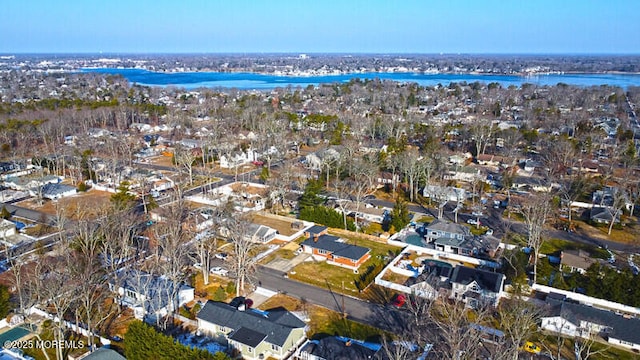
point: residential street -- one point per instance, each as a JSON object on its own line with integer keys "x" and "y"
{"x": 493, "y": 219}
{"x": 376, "y": 315}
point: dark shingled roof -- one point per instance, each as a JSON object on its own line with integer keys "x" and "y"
{"x": 316, "y": 229}
{"x": 104, "y": 354}
{"x": 337, "y": 349}
{"x": 55, "y": 189}
{"x": 334, "y": 245}
{"x": 248, "y": 337}
{"x": 276, "y": 325}
{"x": 485, "y": 279}
{"x": 623, "y": 328}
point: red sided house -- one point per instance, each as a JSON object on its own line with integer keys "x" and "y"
{"x": 335, "y": 250}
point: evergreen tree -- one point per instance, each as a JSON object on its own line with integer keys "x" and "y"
{"x": 5, "y": 301}
{"x": 325, "y": 216}
{"x": 400, "y": 216}
{"x": 142, "y": 342}
{"x": 4, "y": 213}
{"x": 122, "y": 199}
{"x": 310, "y": 197}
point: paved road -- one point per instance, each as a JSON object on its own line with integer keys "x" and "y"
{"x": 359, "y": 310}
{"x": 493, "y": 219}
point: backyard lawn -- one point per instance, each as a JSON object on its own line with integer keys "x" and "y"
{"x": 323, "y": 322}
{"x": 552, "y": 246}
{"x": 89, "y": 204}
{"x": 279, "y": 223}
{"x": 322, "y": 274}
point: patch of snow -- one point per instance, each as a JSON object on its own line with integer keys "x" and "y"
{"x": 200, "y": 342}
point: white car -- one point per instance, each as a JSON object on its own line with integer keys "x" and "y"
{"x": 221, "y": 256}
{"x": 472, "y": 221}
{"x": 219, "y": 271}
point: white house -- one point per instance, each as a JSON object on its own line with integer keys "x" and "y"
{"x": 572, "y": 319}
{"x": 150, "y": 296}
{"x": 315, "y": 161}
{"x": 474, "y": 286}
{"x": 28, "y": 184}
{"x": 447, "y": 193}
{"x": 57, "y": 191}
{"x": 260, "y": 233}
{"x": 7, "y": 228}
{"x": 231, "y": 160}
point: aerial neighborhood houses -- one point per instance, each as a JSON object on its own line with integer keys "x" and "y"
{"x": 573, "y": 319}
{"x": 254, "y": 333}
{"x": 151, "y": 297}
{"x": 254, "y": 154}
{"x": 334, "y": 249}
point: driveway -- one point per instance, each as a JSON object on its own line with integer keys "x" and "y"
{"x": 285, "y": 265}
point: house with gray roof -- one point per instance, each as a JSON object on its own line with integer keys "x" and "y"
{"x": 578, "y": 320}
{"x": 338, "y": 348}
{"x": 260, "y": 233}
{"x": 55, "y": 191}
{"x": 444, "y": 193}
{"x": 476, "y": 286}
{"x": 336, "y": 251}
{"x": 254, "y": 333}
{"x": 104, "y": 354}
{"x": 576, "y": 261}
{"x": 476, "y": 246}
{"x": 30, "y": 184}
{"x": 150, "y": 296}
{"x": 315, "y": 230}
{"x": 445, "y": 229}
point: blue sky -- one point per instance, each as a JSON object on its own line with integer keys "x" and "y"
{"x": 302, "y": 26}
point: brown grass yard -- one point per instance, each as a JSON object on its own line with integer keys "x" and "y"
{"x": 394, "y": 277}
{"x": 328, "y": 276}
{"x": 322, "y": 274}
{"x": 378, "y": 246}
{"x": 89, "y": 204}
{"x": 280, "y": 223}
{"x": 323, "y": 322}
{"x": 630, "y": 234}
{"x": 214, "y": 283}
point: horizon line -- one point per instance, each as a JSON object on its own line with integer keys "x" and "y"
{"x": 593, "y": 54}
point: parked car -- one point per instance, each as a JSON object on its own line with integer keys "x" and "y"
{"x": 399, "y": 300}
{"x": 221, "y": 256}
{"x": 531, "y": 347}
{"x": 219, "y": 271}
{"x": 472, "y": 222}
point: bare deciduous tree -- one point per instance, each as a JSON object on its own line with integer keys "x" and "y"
{"x": 362, "y": 183}
{"x": 536, "y": 210}
{"x": 185, "y": 159}
{"x": 242, "y": 259}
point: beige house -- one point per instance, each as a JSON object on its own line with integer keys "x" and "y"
{"x": 576, "y": 261}
{"x": 254, "y": 333}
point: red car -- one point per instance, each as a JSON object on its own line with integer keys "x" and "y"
{"x": 399, "y": 300}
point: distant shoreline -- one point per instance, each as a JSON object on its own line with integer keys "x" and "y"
{"x": 312, "y": 73}
{"x": 267, "y": 81}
